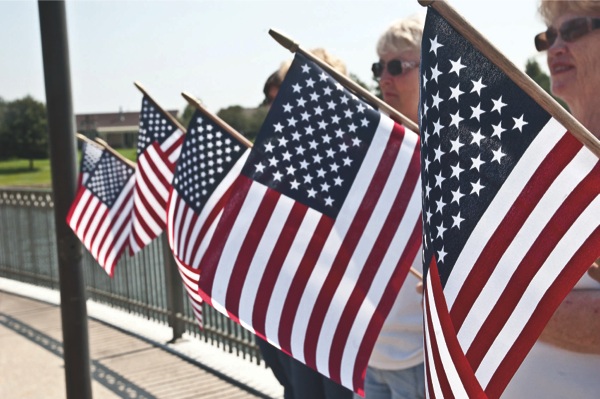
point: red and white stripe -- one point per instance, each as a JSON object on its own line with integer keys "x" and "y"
{"x": 190, "y": 278}
{"x": 103, "y": 231}
{"x": 153, "y": 178}
{"x": 448, "y": 373}
{"x": 189, "y": 232}
{"x": 536, "y": 239}
{"x": 319, "y": 288}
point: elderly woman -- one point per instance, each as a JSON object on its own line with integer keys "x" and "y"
{"x": 399, "y": 51}
{"x": 396, "y": 363}
{"x": 566, "y": 360}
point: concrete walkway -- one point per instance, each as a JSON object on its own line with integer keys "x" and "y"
{"x": 125, "y": 363}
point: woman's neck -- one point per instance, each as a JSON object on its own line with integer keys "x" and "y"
{"x": 589, "y": 116}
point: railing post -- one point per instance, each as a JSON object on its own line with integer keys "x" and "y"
{"x": 174, "y": 290}
{"x": 63, "y": 161}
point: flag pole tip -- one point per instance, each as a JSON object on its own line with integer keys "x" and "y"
{"x": 426, "y": 3}
{"x": 190, "y": 99}
{"x": 186, "y": 95}
{"x": 284, "y": 40}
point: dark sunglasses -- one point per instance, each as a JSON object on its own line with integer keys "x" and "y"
{"x": 569, "y": 31}
{"x": 394, "y": 67}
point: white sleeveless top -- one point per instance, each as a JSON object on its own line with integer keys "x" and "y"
{"x": 400, "y": 342}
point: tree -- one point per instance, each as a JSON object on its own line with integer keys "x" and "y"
{"x": 187, "y": 114}
{"x": 25, "y": 129}
{"x": 5, "y": 145}
{"x": 247, "y": 121}
{"x": 372, "y": 88}
{"x": 534, "y": 71}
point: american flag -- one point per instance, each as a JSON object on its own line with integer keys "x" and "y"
{"x": 159, "y": 145}
{"x": 312, "y": 248}
{"x": 101, "y": 212}
{"x": 511, "y": 213}
{"x": 90, "y": 155}
{"x": 190, "y": 277}
{"x": 210, "y": 159}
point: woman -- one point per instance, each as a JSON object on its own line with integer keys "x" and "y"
{"x": 399, "y": 51}
{"x": 395, "y": 368}
{"x": 566, "y": 360}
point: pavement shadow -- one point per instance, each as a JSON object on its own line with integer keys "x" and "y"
{"x": 111, "y": 380}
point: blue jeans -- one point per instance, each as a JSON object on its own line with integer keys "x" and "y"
{"x": 395, "y": 384}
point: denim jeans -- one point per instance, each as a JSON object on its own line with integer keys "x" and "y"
{"x": 395, "y": 384}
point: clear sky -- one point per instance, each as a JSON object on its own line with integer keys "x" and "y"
{"x": 219, "y": 51}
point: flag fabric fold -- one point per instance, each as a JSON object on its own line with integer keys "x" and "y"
{"x": 159, "y": 145}
{"x": 322, "y": 226}
{"x": 511, "y": 215}
{"x": 100, "y": 215}
{"x": 210, "y": 159}
{"x": 90, "y": 155}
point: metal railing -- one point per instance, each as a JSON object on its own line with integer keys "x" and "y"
{"x": 139, "y": 285}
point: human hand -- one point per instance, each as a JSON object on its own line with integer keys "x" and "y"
{"x": 594, "y": 270}
{"x": 419, "y": 287}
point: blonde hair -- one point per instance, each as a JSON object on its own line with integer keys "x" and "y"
{"x": 402, "y": 35}
{"x": 552, "y": 9}
{"x": 324, "y": 55}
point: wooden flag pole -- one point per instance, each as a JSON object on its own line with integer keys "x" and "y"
{"x": 222, "y": 124}
{"x": 520, "y": 78}
{"x": 415, "y": 273}
{"x": 83, "y": 138}
{"x": 349, "y": 83}
{"x": 115, "y": 153}
{"x": 168, "y": 115}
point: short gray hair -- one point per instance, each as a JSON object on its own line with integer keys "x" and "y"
{"x": 402, "y": 35}
{"x": 552, "y": 9}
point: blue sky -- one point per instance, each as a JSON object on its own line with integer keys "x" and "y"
{"x": 219, "y": 51}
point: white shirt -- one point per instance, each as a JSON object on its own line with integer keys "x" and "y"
{"x": 400, "y": 342}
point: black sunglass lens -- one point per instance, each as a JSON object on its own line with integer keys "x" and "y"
{"x": 394, "y": 67}
{"x": 574, "y": 29}
{"x": 541, "y": 43}
{"x": 551, "y": 35}
{"x": 377, "y": 68}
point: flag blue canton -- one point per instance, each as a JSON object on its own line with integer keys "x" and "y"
{"x": 313, "y": 140}
{"x": 109, "y": 177}
{"x": 207, "y": 155}
{"x": 475, "y": 125}
{"x": 154, "y": 126}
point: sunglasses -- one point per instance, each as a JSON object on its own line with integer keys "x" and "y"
{"x": 569, "y": 31}
{"x": 394, "y": 67}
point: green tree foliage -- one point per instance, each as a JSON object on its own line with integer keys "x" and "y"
{"x": 246, "y": 121}
{"x": 534, "y": 71}
{"x": 24, "y": 130}
{"x": 186, "y": 116}
{"x": 5, "y": 149}
{"x": 373, "y": 87}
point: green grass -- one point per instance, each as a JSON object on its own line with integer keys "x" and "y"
{"x": 16, "y": 173}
